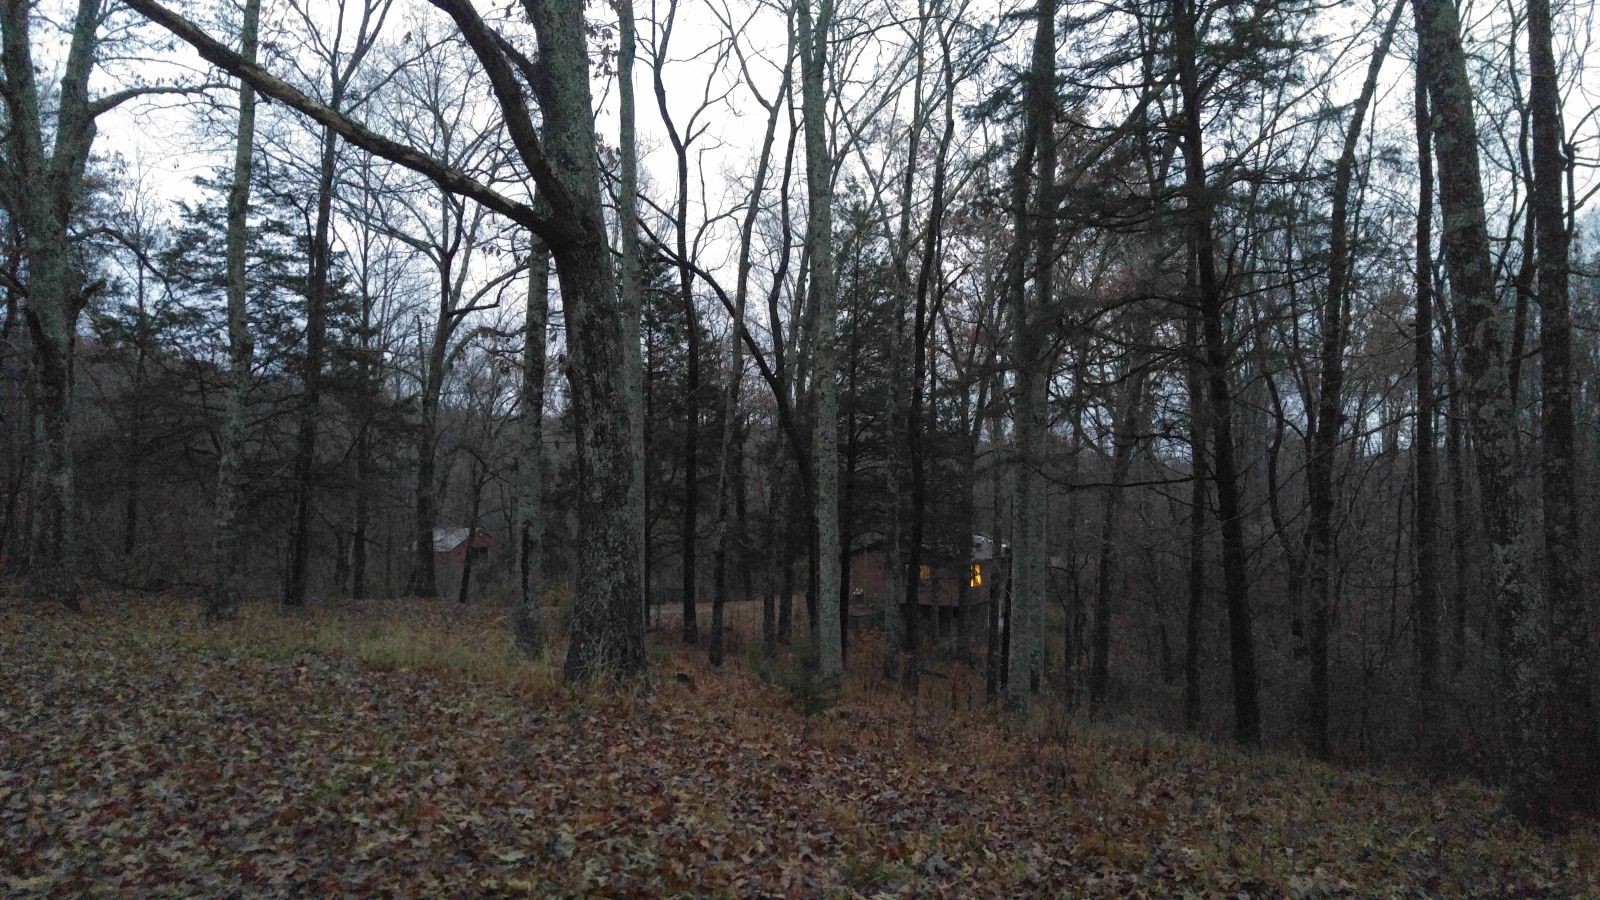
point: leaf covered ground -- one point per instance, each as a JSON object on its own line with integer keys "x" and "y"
{"x": 397, "y": 749}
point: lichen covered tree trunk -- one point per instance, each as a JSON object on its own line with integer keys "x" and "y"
{"x": 56, "y": 287}
{"x": 227, "y": 550}
{"x": 815, "y": 25}
{"x": 607, "y": 619}
{"x": 1032, "y": 333}
{"x": 1525, "y": 682}
{"x": 607, "y": 624}
{"x": 629, "y": 289}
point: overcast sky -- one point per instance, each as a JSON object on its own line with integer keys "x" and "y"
{"x": 163, "y": 141}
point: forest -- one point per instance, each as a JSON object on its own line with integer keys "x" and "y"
{"x": 799, "y": 447}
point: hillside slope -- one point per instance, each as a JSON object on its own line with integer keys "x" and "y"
{"x": 398, "y": 749}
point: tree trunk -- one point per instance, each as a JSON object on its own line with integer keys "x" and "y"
{"x": 1212, "y": 302}
{"x": 311, "y": 403}
{"x": 370, "y": 396}
{"x": 56, "y": 290}
{"x": 691, "y": 318}
{"x": 1194, "y": 618}
{"x": 1033, "y": 330}
{"x": 814, "y": 33}
{"x": 917, "y": 417}
{"x": 227, "y": 549}
{"x": 359, "y": 538}
{"x": 847, "y": 492}
{"x": 741, "y": 544}
{"x": 1462, "y": 532}
{"x": 629, "y": 287}
{"x": 1124, "y": 441}
{"x": 1577, "y": 730}
{"x": 135, "y": 416}
{"x": 1426, "y": 509}
{"x": 1525, "y": 682}
{"x": 437, "y": 359}
{"x": 899, "y": 611}
{"x": 607, "y": 621}
{"x": 902, "y": 559}
{"x": 51, "y": 558}
{"x": 790, "y": 551}
{"x": 1330, "y": 404}
{"x": 1075, "y": 631}
{"x": 424, "y": 577}
{"x": 998, "y": 582}
{"x": 528, "y": 621}
{"x": 478, "y": 478}
{"x": 730, "y": 440}
{"x": 775, "y": 558}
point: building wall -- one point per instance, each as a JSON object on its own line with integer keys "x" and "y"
{"x": 945, "y": 586}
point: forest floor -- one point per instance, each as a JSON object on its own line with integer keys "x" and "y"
{"x": 399, "y": 749}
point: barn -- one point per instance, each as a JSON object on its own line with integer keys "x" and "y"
{"x": 452, "y": 547}
{"x": 453, "y": 544}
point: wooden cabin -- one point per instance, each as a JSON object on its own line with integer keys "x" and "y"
{"x": 953, "y": 596}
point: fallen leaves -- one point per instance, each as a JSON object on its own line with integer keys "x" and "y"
{"x": 141, "y": 752}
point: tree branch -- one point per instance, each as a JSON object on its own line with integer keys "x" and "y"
{"x": 112, "y": 101}
{"x": 269, "y": 85}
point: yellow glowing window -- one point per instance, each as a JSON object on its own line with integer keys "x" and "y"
{"x": 977, "y": 576}
{"x": 926, "y": 572}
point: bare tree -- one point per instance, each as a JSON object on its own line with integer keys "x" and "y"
{"x": 683, "y": 139}
{"x": 1130, "y": 406}
{"x": 731, "y": 432}
{"x": 815, "y": 26}
{"x": 1330, "y": 400}
{"x": 49, "y": 155}
{"x": 1577, "y": 725}
{"x": 429, "y": 100}
{"x": 1518, "y": 600}
{"x": 1427, "y": 503}
{"x": 342, "y": 64}
{"x": 607, "y": 637}
{"x": 529, "y": 617}
{"x": 223, "y": 603}
{"x": 629, "y": 290}
{"x": 1032, "y": 324}
{"x": 1211, "y": 299}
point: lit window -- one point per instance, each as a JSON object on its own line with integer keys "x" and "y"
{"x": 926, "y": 572}
{"x": 977, "y": 576}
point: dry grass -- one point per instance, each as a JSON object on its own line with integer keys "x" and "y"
{"x": 471, "y": 643}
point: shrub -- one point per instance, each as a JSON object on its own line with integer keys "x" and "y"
{"x": 558, "y": 594}
{"x": 498, "y": 590}
{"x": 796, "y": 673}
